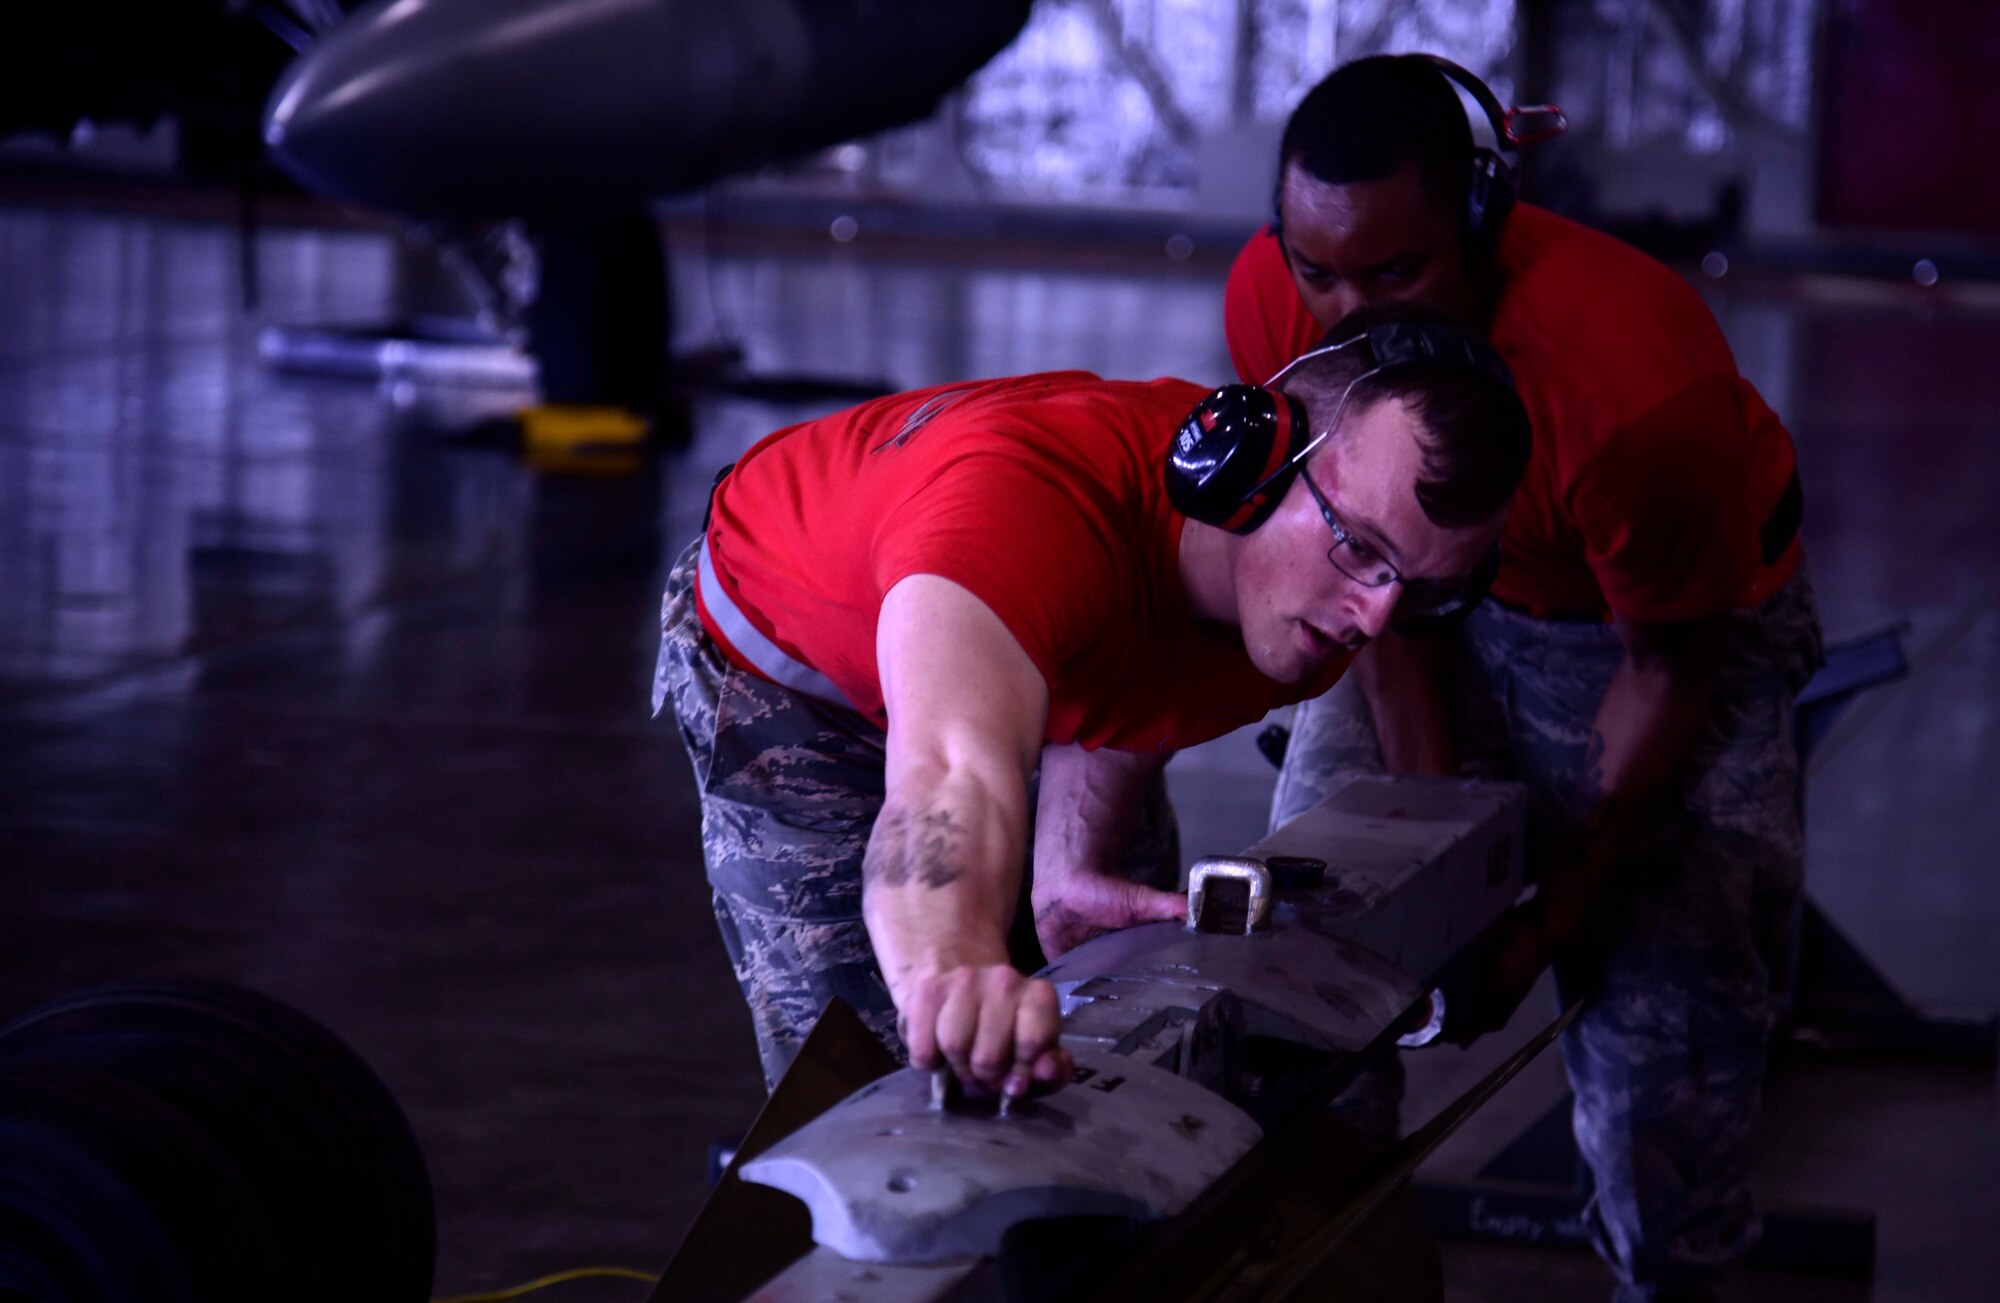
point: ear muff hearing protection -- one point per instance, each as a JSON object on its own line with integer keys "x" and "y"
{"x": 1235, "y": 455}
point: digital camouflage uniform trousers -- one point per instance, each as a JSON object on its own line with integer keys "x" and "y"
{"x": 790, "y": 787}
{"x": 1666, "y": 1058}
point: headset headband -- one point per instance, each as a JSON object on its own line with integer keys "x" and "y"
{"x": 1491, "y": 129}
{"x": 1391, "y": 344}
{"x": 1495, "y": 126}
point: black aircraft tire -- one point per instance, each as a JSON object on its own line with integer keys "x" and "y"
{"x": 272, "y": 1107}
{"x": 109, "y": 1196}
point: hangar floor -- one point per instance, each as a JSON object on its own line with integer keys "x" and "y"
{"x": 297, "y": 693}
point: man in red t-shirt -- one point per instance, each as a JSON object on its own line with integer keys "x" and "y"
{"x": 899, "y": 613}
{"x": 1651, "y": 626}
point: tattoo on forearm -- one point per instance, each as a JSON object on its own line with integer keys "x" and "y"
{"x": 924, "y": 845}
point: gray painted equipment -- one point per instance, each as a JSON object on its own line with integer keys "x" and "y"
{"x": 1201, "y": 1050}
{"x": 890, "y": 1179}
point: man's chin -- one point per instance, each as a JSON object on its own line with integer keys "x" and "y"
{"x": 1318, "y": 667}
{"x": 1305, "y": 655}
{"x": 1291, "y": 669}
{"x": 1277, "y": 669}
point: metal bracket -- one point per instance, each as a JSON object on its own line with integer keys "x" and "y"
{"x": 948, "y": 1095}
{"x": 1237, "y": 869}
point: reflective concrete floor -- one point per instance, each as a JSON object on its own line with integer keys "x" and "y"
{"x": 295, "y": 691}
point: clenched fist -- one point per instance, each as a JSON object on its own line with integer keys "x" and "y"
{"x": 996, "y": 1028}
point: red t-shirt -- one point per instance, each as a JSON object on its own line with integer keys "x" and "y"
{"x": 1655, "y": 464}
{"x": 1043, "y": 496}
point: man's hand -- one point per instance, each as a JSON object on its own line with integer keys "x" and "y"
{"x": 995, "y": 1028}
{"x": 1073, "y": 905}
{"x": 1492, "y": 979}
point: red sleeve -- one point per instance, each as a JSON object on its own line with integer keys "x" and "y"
{"x": 1019, "y": 542}
{"x": 1668, "y": 510}
{"x": 1266, "y": 321}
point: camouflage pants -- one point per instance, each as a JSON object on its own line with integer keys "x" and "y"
{"x": 1666, "y": 1059}
{"x": 790, "y": 787}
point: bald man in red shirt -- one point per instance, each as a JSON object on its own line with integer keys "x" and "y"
{"x": 1651, "y": 624}
{"x": 900, "y": 616}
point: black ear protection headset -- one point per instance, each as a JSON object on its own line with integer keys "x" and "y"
{"x": 1497, "y": 135}
{"x": 1496, "y": 159}
{"x": 1236, "y": 454}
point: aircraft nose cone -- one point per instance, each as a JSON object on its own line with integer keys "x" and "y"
{"x": 498, "y": 107}
{"x": 492, "y": 108}
{"x": 332, "y": 118}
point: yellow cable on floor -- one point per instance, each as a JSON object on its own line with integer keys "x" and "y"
{"x": 543, "y": 1282}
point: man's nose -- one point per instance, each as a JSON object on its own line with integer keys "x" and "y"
{"x": 1346, "y": 299}
{"x": 1375, "y": 608}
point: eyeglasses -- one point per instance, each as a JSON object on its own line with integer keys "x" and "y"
{"x": 1424, "y": 601}
{"x": 1362, "y": 562}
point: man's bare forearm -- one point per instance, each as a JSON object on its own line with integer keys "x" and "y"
{"x": 1089, "y": 804}
{"x": 1401, "y": 680}
{"x": 942, "y": 871}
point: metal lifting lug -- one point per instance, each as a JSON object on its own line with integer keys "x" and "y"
{"x": 947, "y": 1095}
{"x": 1237, "y": 869}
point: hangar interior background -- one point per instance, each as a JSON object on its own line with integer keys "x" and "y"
{"x": 320, "y": 683}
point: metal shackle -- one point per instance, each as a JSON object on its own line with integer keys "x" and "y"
{"x": 1237, "y": 869}
{"x": 946, "y": 1092}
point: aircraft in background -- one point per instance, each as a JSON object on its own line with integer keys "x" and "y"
{"x": 507, "y": 108}
{"x": 575, "y": 114}
{"x": 476, "y": 122}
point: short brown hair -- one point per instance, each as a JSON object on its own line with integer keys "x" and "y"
{"x": 1476, "y": 436}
